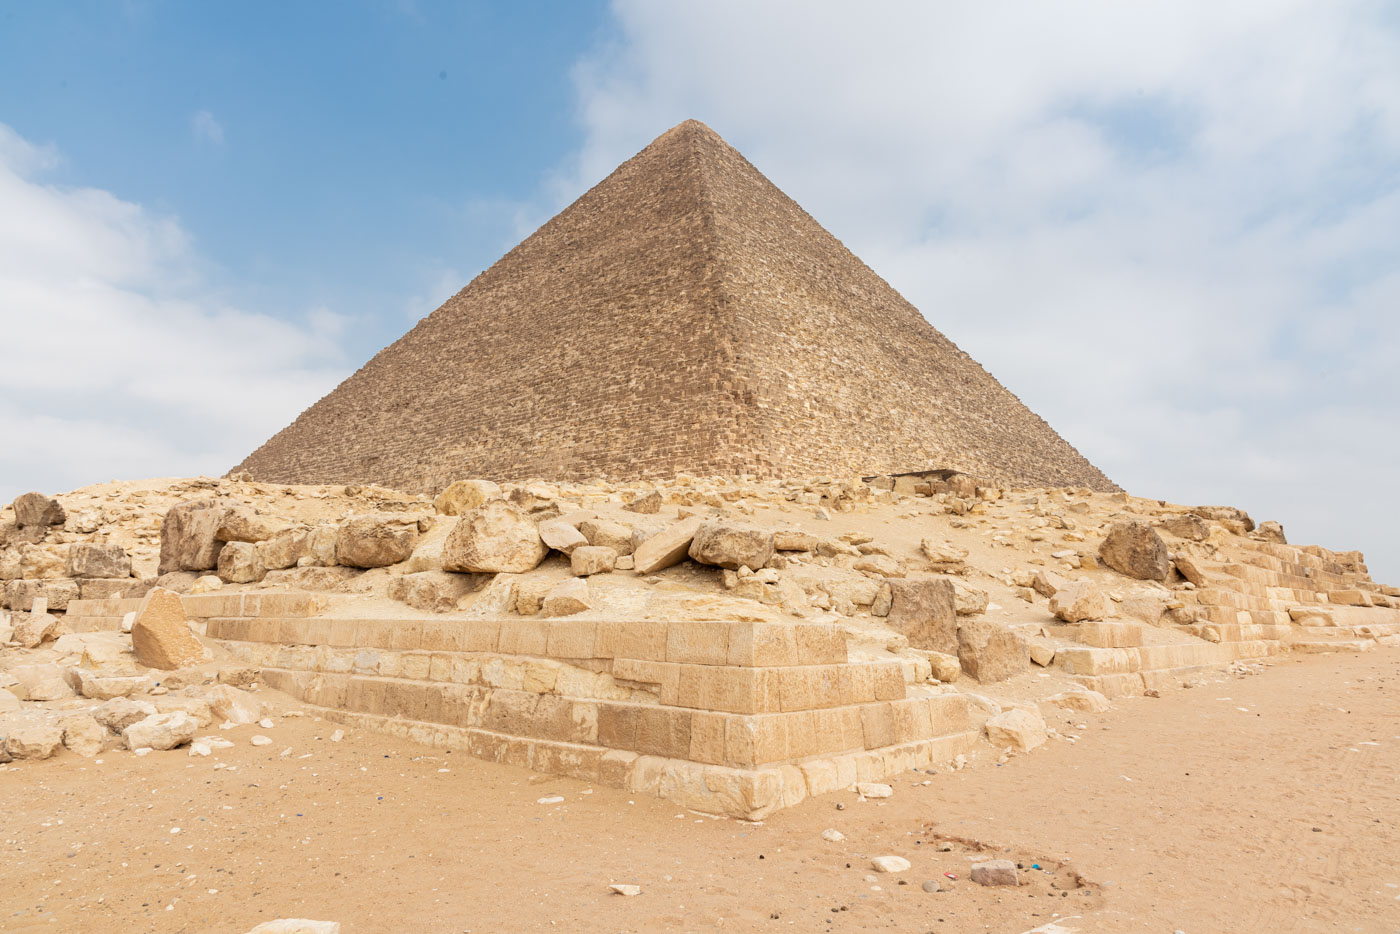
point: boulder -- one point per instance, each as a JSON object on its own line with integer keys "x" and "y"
{"x": 1018, "y": 728}
{"x": 119, "y": 713}
{"x": 230, "y": 705}
{"x": 38, "y": 625}
{"x": 607, "y": 534}
{"x": 376, "y": 541}
{"x": 995, "y": 872}
{"x": 1193, "y": 528}
{"x": 1187, "y": 567}
{"x": 35, "y": 510}
{"x": 945, "y": 667}
{"x": 667, "y": 547}
{"x": 495, "y": 537}
{"x": 794, "y": 540}
{"x": 297, "y": 926}
{"x": 83, "y": 735}
{"x": 245, "y": 524}
{"x": 1271, "y": 531}
{"x": 566, "y": 598}
{"x": 161, "y": 634}
{"x": 105, "y": 687}
{"x": 968, "y": 601}
{"x": 990, "y": 653}
{"x": 33, "y": 740}
{"x": 282, "y": 550}
{"x": 879, "y": 565}
{"x": 1080, "y": 601}
{"x": 1048, "y": 583}
{"x": 1135, "y": 549}
{"x": 434, "y": 591}
{"x": 189, "y": 536}
{"x": 1084, "y": 701}
{"x": 592, "y": 559}
{"x": 239, "y": 564}
{"x": 85, "y": 521}
{"x": 925, "y": 611}
{"x": 463, "y": 496}
{"x": 943, "y": 556}
{"x": 1236, "y": 520}
{"x": 561, "y": 536}
{"x": 648, "y": 504}
{"x": 86, "y": 559}
{"x": 725, "y": 545}
{"x": 161, "y": 731}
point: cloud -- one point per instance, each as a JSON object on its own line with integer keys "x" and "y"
{"x": 120, "y": 359}
{"x": 1167, "y": 226}
{"x": 206, "y": 128}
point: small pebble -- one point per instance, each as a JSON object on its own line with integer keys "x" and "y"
{"x": 931, "y": 886}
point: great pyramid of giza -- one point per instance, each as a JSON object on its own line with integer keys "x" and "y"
{"x": 684, "y": 315}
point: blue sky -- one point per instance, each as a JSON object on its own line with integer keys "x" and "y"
{"x": 1168, "y": 226}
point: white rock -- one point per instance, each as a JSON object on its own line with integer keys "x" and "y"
{"x": 623, "y": 889}
{"x": 833, "y": 836}
{"x": 297, "y": 926}
{"x": 260, "y": 740}
{"x": 873, "y": 790}
{"x": 890, "y": 864}
{"x": 161, "y": 731}
{"x": 266, "y": 723}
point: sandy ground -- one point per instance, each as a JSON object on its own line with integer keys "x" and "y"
{"x": 1264, "y": 802}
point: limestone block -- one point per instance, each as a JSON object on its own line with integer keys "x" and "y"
{"x": 83, "y": 735}
{"x": 1187, "y": 568}
{"x": 494, "y": 537}
{"x": 968, "y": 600}
{"x": 1047, "y": 583}
{"x": 105, "y": 687}
{"x": 645, "y": 503}
{"x": 925, "y": 611}
{"x": 161, "y": 634}
{"x": 92, "y": 560}
{"x": 463, "y": 496}
{"x": 239, "y": 564}
{"x": 119, "y": 713}
{"x": 666, "y": 548}
{"x": 435, "y": 591}
{"x": 44, "y": 562}
{"x": 1080, "y": 601}
{"x": 1018, "y": 728}
{"x": 561, "y": 536}
{"x": 1083, "y": 700}
{"x": 730, "y": 546}
{"x": 161, "y": 731}
{"x": 11, "y": 564}
{"x": 188, "y": 536}
{"x": 229, "y": 704}
{"x": 990, "y": 653}
{"x": 592, "y": 559}
{"x": 607, "y": 534}
{"x": 283, "y": 550}
{"x": 31, "y": 630}
{"x": 33, "y": 741}
{"x": 376, "y": 541}
{"x": 1193, "y": 528}
{"x": 794, "y": 540}
{"x": 35, "y": 510}
{"x": 566, "y": 598}
{"x": 1135, "y": 549}
{"x": 994, "y": 872}
{"x": 244, "y": 524}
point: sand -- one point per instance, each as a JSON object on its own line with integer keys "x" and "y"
{"x": 1262, "y": 802}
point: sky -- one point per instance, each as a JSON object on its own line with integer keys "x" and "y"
{"x": 1171, "y": 228}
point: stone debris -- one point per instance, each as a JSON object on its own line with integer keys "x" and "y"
{"x": 833, "y": 836}
{"x": 1080, "y": 601}
{"x": 874, "y": 790}
{"x": 566, "y": 598}
{"x": 622, "y": 888}
{"x": 376, "y": 541}
{"x": 463, "y": 496}
{"x": 666, "y": 548}
{"x": 994, "y": 872}
{"x": 1083, "y": 700}
{"x": 586, "y": 560}
{"x": 83, "y": 735}
{"x": 561, "y": 536}
{"x": 33, "y": 740}
{"x": 161, "y": 731}
{"x": 260, "y": 740}
{"x": 991, "y": 653}
{"x": 37, "y": 511}
{"x": 1018, "y": 728}
{"x": 925, "y": 612}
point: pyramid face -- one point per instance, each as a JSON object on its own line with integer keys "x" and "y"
{"x": 684, "y": 315}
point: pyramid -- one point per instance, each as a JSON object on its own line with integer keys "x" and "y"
{"x": 684, "y": 315}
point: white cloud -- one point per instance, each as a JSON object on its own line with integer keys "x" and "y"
{"x": 206, "y": 128}
{"x": 119, "y": 359}
{"x": 1167, "y": 226}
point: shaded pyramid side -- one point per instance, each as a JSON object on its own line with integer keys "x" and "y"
{"x": 847, "y": 374}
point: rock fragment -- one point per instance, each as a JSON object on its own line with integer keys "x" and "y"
{"x": 89, "y": 559}
{"x": 1081, "y": 601}
{"x": 494, "y": 537}
{"x": 376, "y": 541}
{"x": 566, "y": 598}
{"x": 592, "y": 559}
{"x": 161, "y": 635}
{"x": 721, "y": 544}
{"x": 1134, "y": 548}
{"x": 1018, "y": 728}
{"x": 925, "y": 611}
{"x": 666, "y": 548}
{"x": 890, "y": 864}
{"x": 161, "y": 731}
{"x": 465, "y": 495}
{"x": 990, "y": 653}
